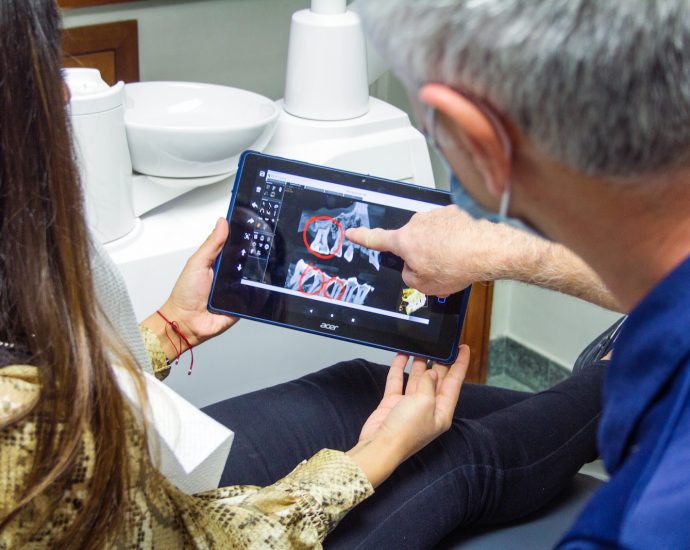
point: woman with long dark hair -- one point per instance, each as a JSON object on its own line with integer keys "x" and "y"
{"x": 75, "y": 469}
{"x": 48, "y": 314}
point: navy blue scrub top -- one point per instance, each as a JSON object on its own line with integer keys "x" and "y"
{"x": 644, "y": 437}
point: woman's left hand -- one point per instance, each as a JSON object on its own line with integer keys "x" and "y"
{"x": 410, "y": 415}
{"x": 187, "y": 304}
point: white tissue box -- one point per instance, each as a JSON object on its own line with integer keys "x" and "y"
{"x": 192, "y": 448}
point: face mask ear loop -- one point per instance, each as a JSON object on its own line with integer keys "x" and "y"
{"x": 507, "y": 145}
{"x": 505, "y": 203}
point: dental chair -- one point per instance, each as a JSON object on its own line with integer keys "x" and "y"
{"x": 541, "y": 530}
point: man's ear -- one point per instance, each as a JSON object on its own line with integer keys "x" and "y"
{"x": 478, "y": 131}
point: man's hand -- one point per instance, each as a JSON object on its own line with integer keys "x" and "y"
{"x": 408, "y": 419}
{"x": 444, "y": 250}
{"x": 187, "y": 304}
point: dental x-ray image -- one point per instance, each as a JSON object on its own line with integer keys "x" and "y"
{"x": 312, "y": 281}
{"x": 322, "y": 263}
{"x": 324, "y": 231}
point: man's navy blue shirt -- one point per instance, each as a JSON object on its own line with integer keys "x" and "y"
{"x": 644, "y": 437}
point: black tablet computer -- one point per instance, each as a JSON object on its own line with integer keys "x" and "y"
{"x": 288, "y": 262}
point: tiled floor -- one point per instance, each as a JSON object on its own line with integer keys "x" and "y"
{"x": 523, "y": 366}
{"x": 505, "y": 381}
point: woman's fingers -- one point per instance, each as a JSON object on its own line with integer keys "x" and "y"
{"x": 394, "y": 380}
{"x": 447, "y": 397}
{"x": 427, "y": 384}
{"x": 441, "y": 371}
{"x": 417, "y": 370}
{"x": 207, "y": 253}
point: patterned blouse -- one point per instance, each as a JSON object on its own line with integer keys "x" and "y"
{"x": 296, "y": 512}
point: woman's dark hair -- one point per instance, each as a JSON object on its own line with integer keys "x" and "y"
{"x": 48, "y": 306}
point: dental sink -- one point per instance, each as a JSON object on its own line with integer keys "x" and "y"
{"x": 191, "y": 130}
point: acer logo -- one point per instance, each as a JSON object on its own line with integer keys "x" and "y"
{"x": 329, "y": 327}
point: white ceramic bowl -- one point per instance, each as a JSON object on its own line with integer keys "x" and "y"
{"x": 189, "y": 130}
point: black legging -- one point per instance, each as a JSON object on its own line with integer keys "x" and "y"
{"x": 507, "y": 453}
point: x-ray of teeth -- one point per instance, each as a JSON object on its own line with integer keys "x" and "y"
{"x": 374, "y": 258}
{"x": 312, "y": 281}
{"x": 356, "y": 293}
{"x": 307, "y": 279}
{"x": 333, "y": 288}
{"x": 320, "y": 242}
{"x": 327, "y": 235}
{"x": 349, "y": 251}
{"x": 296, "y": 274}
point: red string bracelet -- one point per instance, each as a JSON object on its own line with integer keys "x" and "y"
{"x": 176, "y": 329}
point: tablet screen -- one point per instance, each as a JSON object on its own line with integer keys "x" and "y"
{"x": 288, "y": 262}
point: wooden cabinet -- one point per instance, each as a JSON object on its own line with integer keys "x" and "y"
{"x": 476, "y": 331}
{"x": 113, "y": 48}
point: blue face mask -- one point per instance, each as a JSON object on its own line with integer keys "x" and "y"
{"x": 466, "y": 202}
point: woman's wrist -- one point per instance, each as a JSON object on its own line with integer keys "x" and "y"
{"x": 377, "y": 458}
{"x": 171, "y": 342}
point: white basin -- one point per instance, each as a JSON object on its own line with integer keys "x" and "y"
{"x": 189, "y": 130}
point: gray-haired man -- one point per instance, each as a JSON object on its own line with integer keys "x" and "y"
{"x": 574, "y": 116}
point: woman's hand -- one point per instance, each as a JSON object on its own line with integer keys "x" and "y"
{"x": 187, "y": 304}
{"x": 407, "y": 420}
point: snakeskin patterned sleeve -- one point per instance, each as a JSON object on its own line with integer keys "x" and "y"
{"x": 159, "y": 361}
{"x": 296, "y": 512}
{"x": 19, "y": 393}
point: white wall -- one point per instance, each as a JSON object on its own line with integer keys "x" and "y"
{"x": 552, "y": 324}
{"x": 239, "y": 43}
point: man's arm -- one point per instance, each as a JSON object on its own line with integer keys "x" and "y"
{"x": 446, "y": 250}
{"x": 555, "y": 267}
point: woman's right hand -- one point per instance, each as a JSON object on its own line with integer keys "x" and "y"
{"x": 408, "y": 419}
{"x": 188, "y": 303}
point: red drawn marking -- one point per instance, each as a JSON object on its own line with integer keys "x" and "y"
{"x": 310, "y": 269}
{"x": 337, "y": 281}
{"x": 341, "y": 231}
{"x": 322, "y": 289}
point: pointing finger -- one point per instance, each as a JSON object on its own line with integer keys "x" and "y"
{"x": 374, "y": 239}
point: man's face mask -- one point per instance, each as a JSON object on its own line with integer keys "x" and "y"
{"x": 464, "y": 200}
